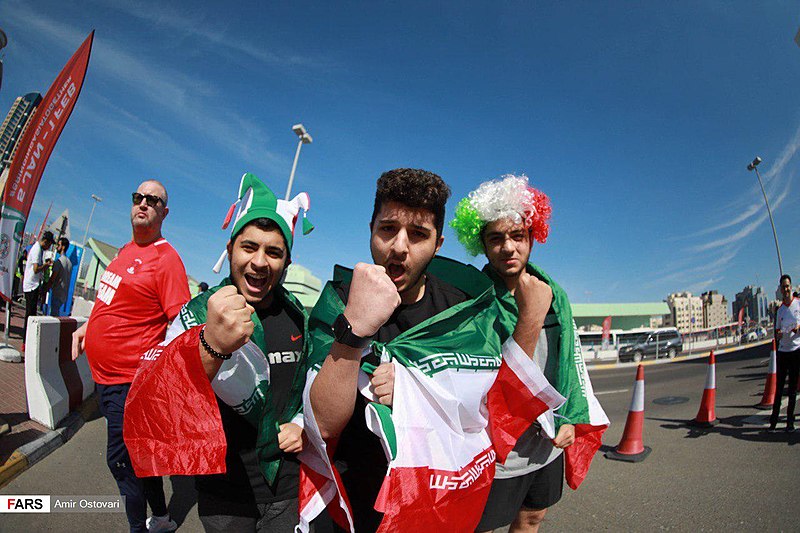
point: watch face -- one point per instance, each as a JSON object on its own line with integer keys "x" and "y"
{"x": 340, "y": 327}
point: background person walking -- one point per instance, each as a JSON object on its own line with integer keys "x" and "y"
{"x": 787, "y": 330}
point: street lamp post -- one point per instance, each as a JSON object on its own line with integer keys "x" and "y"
{"x": 96, "y": 199}
{"x": 305, "y": 138}
{"x": 754, "y": 166}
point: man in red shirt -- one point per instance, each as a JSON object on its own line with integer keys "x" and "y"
{"x": 140, "y": 293}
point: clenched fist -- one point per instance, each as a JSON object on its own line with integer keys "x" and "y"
{"x": 372, "y": 299}
{"x": 533, "y": 298}
{"x": 290, "y": 438}
{"x": 565, "y": 437}
{"x": 228, "y": 323}
{"x": 382, "y": 381}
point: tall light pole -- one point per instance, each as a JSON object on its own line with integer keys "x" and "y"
{"x": 305, "y": 138}
{"x": 754, "y": 166}
{"x": 96, "y": 199}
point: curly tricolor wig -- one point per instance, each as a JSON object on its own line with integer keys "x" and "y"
{"x": 508, "y": 197}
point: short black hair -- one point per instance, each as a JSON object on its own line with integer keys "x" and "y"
{"x": 63, "y": 241}
{"x": 266, "y": 224}
{"x": 783, "y": 277}
{"x": 415, "y": 188}
{"x": 48, "y": 236}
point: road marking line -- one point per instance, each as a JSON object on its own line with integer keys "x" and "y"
{"x": 764, "y": 414}
{"x": 611, "y": 391}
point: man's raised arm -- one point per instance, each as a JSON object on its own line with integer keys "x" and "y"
{"x": 371, "y": 301}
{"x": 534, "y": 298}
{"x": 228, "y": 327}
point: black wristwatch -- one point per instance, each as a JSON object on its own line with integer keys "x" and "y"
{"x": 343, "y": 333}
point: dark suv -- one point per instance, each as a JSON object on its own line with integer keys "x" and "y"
{"x": 659, "y": 343}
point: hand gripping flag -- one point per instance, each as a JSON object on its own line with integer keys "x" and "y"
{"x": 172, "y": 421}
{"x": 436, "y": 436}
{"x": 566, "y": 370}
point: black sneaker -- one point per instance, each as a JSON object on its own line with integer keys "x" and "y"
{"x": 789, "y": 428}
{"x": 772, "y": 428}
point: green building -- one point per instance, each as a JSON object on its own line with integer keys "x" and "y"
{"x": 99, "y": 255}
{"x": 303, "y": 284}
{"x": 624, "y": 316}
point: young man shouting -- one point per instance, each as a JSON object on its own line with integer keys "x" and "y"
{"x": 502, "y": 219}
{"x": 247, "y": 336}
{"x": 438, "y": 331}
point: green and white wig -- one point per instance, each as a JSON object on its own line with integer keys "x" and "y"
{"x": 507, "y": 197}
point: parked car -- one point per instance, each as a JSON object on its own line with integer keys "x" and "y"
{"x": 659, "y": 343}
{"x": 755, "y": 335}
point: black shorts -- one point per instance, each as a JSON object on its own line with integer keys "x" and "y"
{"x": 539, "y": 489}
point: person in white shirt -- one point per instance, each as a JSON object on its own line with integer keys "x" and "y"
{"x": 32, "y": 281}
{"x": 787, "y": 332}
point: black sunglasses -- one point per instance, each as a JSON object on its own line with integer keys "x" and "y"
{"x": 151, "y": 200}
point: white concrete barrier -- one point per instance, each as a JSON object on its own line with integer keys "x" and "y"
{"x": 55, "y": 383}
{"x": 81, "y": 307}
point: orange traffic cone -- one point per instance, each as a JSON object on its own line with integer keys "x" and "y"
{"x": 706, "y": 416}
{"x": 772, "y": 380}
{"x": 631, "y": 448}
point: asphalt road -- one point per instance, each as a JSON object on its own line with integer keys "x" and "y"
{"x": 731, "y": 477}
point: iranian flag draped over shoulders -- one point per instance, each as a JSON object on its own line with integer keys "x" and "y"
{"x": 172, "y": 419}
{"x": 464, "y": 393}
{"x": 566, "y": 371}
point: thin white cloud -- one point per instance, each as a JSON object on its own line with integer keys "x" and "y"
{"x": 703, "y": 286}
{"x": 197, "y": 27}
{"x": 745, "y": 231}
{"x": 741, "y": 217}
{"x": 172, "y": 90}
{"x": 716, "y": 264}
{"x": 785, "y": 156}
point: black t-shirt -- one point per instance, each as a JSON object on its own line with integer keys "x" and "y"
{"x": 359, "y": 455}
{"x": 238, "y": 490}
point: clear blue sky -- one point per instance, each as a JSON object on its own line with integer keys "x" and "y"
{"x": 637, "y": 118}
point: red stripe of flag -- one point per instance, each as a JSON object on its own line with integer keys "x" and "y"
{"x": 578, "y": 457}
{"x": 426, "y": 499}
{"x": 512, "y": 410}
{"x": 172, "y": 423}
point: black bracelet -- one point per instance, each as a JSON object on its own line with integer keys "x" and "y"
{"x": 211, "y": 350}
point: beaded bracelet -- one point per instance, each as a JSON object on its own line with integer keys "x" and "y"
{"x": 211, "y": 351}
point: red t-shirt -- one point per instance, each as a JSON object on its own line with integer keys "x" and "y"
{"x": 141, "y": 291}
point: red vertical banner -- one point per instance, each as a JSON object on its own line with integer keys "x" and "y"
{"x": 741, "y": 317}
{"x": 34, "y": 150}
{"x": 606, "y": 332}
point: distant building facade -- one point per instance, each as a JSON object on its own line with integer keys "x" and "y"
{"x": 685, "y": 312}
{"x": 15, "y": 124}
{"x": 755, "y": 303}
{"x": 715, "y": 309}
